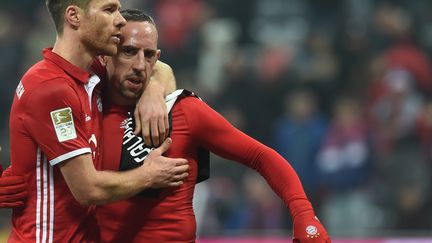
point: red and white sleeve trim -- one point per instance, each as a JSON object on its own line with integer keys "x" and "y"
{"x": 69, "y": 155}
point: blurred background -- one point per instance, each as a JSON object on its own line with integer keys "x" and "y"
{"x": 341, "y": 88}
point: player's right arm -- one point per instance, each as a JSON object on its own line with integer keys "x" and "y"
{"x": 98, "y": 187}
{"x": 71, "y": 151}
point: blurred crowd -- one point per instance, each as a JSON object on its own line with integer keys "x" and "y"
{"x": 341, "y": 88}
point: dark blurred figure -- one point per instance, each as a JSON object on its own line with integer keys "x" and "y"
{"x": 298, "y": 135}
{"x": 344, "y": 167}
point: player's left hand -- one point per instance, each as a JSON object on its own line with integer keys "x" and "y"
{"x": 308, "y": 229}
{"x": 151, "y": 116}
{"x": 13, "y": 189}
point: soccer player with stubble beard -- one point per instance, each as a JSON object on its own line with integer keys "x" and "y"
{"x": 55, "y": 131}
{"x": 166, "y": 214}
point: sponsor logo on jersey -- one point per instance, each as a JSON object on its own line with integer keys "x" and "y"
{"x": 134, "y": 148}
{"x": 63, "y": 124}
{"x": 20, "y": 90}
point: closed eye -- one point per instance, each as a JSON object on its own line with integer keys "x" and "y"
{"x": 129, "y": 51}
{"x": 148, "y": 53}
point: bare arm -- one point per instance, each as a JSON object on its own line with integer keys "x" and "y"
{"x": 151, "y": 114}
{"x": 164, "y": 76}
{"x": 90, "y": 186}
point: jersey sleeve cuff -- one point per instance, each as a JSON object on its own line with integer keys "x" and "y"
{"x": 69, "y": 155}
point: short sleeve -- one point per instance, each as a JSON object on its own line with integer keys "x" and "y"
{"x": 55, "y": 120}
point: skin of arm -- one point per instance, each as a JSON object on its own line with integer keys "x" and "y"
{"x": 151, "y": 109}
{"x": 90, "y": 186}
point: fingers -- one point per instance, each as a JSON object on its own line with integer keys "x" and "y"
{"x": 166, "y": 126}
{"x": 146, "y": 134}
{"x": 162, "y": 130}
{"x": 11, "y": 205}
{"x": 175, "y": 183}
{"x": 137, "y": 122}
{"x": 181, "y": 169}
{"x": 164, "y": 146}
{"x": 180, "y": 177}
{"x": 13, "y": 197}
{"x": 8, "y": 190}
{"x": 154, "y": 133}
{"x": 179, "y": 162}
{"x": 12, "y": 180}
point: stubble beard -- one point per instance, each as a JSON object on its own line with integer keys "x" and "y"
{"x": 99, "y": 46}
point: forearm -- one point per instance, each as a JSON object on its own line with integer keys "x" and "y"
{"x": 110, "y": 186}
{"x": 163, "y": 75}
{"x": 283, "y": 179}
{"x": 237, "y": 146}
{"x": 90, "y": 186}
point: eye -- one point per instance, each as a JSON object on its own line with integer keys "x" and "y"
{"x": 110, "y": 10}
{"x": 149, "y": 53}
{"x": 128, "y": 51}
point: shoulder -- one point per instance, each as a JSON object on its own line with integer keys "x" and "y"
{"x": 45, "y": 79}
{"x": 190, "y": 104}
{"x": 43, "y": 71}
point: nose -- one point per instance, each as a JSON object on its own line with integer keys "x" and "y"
{"x": 139, "y": 63}
{"x": 119, "y": 20}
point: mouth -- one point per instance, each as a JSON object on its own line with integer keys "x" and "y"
{"x": 135, "y": 80}
{"x": 116, "y": 38}
{"x": 135, "y": 83}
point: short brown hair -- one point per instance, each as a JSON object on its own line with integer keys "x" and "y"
{"x": 136, "y": 15}
{"x": 57, "y": 8}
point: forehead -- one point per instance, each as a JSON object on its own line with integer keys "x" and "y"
{"x": 141, "y": 34}
{"x": 103, "y": 3}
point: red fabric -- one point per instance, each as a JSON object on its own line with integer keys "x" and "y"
{"x": 170, "y": 217}
{"x": 50, "y": 85}
{"x": 176, "y": 19}
{"x": 308, "y": 229}
{"x": 407, "y": 56}
{"x": 13, "y": 189}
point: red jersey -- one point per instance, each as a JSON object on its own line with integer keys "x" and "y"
{"x": 55, "y": 116}
{"x": 169, "y": 216}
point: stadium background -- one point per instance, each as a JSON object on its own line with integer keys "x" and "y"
{"x": 342, "y": 89}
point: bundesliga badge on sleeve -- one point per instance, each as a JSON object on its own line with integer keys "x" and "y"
{"x": 63, "y": 124}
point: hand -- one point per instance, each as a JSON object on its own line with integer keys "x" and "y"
{"x": 308, "y": 229}
{"x": 13, "y": 190}
{"x": 163, "y": 171}
{"x": 151, "y": 116}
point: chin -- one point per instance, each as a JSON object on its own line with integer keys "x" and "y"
{"x": 108, "y": 50}
{"x": 111, "y": 51}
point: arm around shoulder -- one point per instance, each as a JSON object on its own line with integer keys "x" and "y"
{"x": 90, "y": 186}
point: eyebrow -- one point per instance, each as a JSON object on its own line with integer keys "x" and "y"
{"x": 146, "y": 50}
{"x": 112, "y": 4}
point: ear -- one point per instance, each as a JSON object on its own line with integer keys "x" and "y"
{"x": 158, "y": 53}
{"x": 73, "y": 15}
{"x": 102, "y": 60}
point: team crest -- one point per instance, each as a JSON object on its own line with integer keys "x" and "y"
{"x": 63, "y": 124}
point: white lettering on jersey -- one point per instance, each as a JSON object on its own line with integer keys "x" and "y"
{"x": 63, "y": 124}
{"x": 20, "y": 90}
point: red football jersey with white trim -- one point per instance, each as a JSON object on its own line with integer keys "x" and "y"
{"x": 169, "y": 216}
{"x": 55, "y": 116}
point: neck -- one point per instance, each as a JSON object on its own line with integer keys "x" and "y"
{"x": 116, "y": 98}
{"x": 73, "y": 50}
